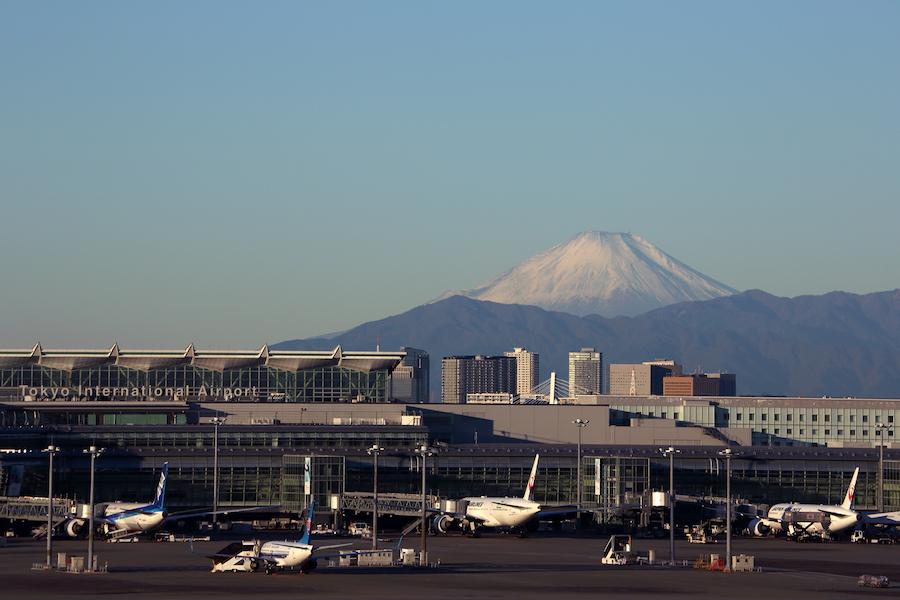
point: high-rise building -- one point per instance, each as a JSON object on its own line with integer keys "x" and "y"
{"x": 727, "y": 383}
{"x": 410, "y": 379}
{"x": 527, "y": 370}
{"x": 696, "y": 384}
{"x": 668, "y": 363}
{"x": 637, "y": 379}
{"x": 462, "y": 375}
{"x": 585, "y": 372}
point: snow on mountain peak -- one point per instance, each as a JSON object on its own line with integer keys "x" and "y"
{"x": 597, "y": 272}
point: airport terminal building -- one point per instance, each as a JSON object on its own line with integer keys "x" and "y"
{"x": 284, "y": 409}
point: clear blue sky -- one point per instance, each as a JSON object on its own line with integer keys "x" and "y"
{"x": 234, "y": 173}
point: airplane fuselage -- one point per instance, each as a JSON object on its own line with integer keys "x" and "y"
{"x": 131, "y": 517}
{"x": 285, "y": 555}
{"x": 812, "y": 518}
{"x": 500, "y": 512}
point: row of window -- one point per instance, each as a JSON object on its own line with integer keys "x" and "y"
{"x": 813, "y": 418}
{"x": 840, "y": 432}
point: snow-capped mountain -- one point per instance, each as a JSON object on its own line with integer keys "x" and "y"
{"x": 596, "y": 272}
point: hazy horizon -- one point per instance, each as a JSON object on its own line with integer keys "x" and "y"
{"x": 232, "y": 174}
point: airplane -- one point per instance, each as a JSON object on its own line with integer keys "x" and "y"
{"x": 272, "y": 556}
{"x": 119, "y": 520}
{"x": 819, "y": 520}
{"x": 498, "y": 512}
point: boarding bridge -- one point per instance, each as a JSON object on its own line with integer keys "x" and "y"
{"x": 31, "y": 508}
{"x": 404, "y": 505}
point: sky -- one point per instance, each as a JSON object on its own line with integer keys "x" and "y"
{"x": 237, "y": 173}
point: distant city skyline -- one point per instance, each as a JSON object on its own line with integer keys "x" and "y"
{"x": 230, "y": 175}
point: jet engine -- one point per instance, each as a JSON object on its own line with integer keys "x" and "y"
{"x": 74, "y": 527}
{"x": 759, "y": 527}
{"x": 443, "y": 523}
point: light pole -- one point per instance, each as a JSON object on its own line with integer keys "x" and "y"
{"x": 424, "y": 451}
{"x": 50, "y": 450}
{"x": 670, "y": 452}
{"x": 881, "y": 428}
{"x": 581, "y": 424}
{"x": 216, "y": 421}
{"x": 374, "y": 451}
{"x": 727, "y": 453}
{"x": 94, "y": 451}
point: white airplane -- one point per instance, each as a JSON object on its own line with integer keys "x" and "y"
{"x": 272, "y": 556}
{"x": 498, "y": 512}
{"x": 126, "y": 519}
{"x": 820, "y": 520}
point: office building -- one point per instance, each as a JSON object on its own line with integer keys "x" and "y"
{"x": 410, "y": 379}
{"x": 727, "y": 383}
{"x": 585, "y": 372}
{"x": 637, "y": 379}
{"x": 462, "y": 375}
{"x": 696, "y": 384}
{"x": 527, "y": 370}
{"x": 666, "y": 363}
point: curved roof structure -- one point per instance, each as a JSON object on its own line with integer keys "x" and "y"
{"x": 214, "y": 360}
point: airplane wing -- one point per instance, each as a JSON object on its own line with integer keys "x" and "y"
{"x": 888, "y": 518}
{"x": 553, "y": 511}
{"x": 188, "y": 514}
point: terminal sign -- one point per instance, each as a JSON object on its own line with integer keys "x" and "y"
{"x": 175, "y": 393}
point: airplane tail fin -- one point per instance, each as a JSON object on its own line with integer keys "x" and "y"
{"x": 160, "y": 498}
{"x": 310, "y": 510}
{"x": 529, "y": 487}
{"x": 848, "y": 499}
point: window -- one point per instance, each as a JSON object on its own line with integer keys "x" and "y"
{"x": 763, "y": 416}
{"x": 651, "y": 413}
{"x": 663, "y": 414}
{"x": 865, "y": 418}
{"x": 790, "y": 417}
{"x": 802, "y": 432}
{"x": 877, "y": 432}
{"x": 827, "y": 432}
{"x": 776, "y": 416}
{"x": 764, "y": 430}
{"x": 815, "y": 431}
{"x": 801, "y": 417}
{"x": 790, "y": 431}
{"x": 827, "y": 418}
{"x": 777, "y": 431}
{"x": 865, "y": 432}
{"x": 840, "y": 418}
{"x": 852, "y": 432}
{"x": 675, "y": 415}
{"x": 890, "y": 418}
{"x": 852, "y": 418}
{"x": 890, "y": 433}
{"x": 750, "y": 417}
{"x": 739, "y": 415}
{"x": 815, "y": 418}
{"x": 840, "y": 432}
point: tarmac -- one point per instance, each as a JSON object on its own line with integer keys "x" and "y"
{"x": 495, "y": 566}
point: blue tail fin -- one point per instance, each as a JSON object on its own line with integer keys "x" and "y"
{"x": 309, "y": 517}
{"x": 160, "y": 499}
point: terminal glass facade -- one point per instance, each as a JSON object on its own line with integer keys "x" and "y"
{"x": 322, "y": 384}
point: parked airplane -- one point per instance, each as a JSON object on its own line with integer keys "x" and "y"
{"x": 797, "y": 520}
{"x": 272, "y": 556}
{"x": 474, "y": 513}
{"x": 126, "y": 519}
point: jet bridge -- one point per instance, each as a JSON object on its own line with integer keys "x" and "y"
{"x": 32, "y": 508}
{"x": 404, "y": 505}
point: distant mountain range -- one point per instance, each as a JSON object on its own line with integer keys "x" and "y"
{"x": 836, "y": 344}
{"x": 595, "y": 272}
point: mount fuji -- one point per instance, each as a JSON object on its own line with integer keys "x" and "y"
{"x": 596, "y": 272}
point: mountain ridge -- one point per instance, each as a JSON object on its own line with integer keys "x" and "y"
{"x": 837, "y": 344}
